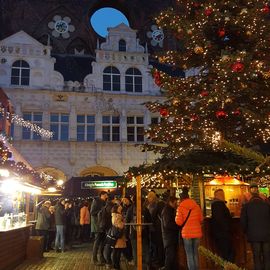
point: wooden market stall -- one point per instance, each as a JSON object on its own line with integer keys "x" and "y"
{"x": 234, "y": 190}
{"x": 17, "y": 191}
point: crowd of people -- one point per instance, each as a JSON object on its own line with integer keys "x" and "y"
{"x": 111, "y": 224}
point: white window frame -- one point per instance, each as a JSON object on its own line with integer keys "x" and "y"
{"x": 135, "y": 126}
{"x": 111, "y": 126}
{"x": 86, "y": 124}
{"x": 20, "y": 68}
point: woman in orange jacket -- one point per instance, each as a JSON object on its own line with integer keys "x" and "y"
{"x": 85, "y": 222}
{"x": 189, "y": 216}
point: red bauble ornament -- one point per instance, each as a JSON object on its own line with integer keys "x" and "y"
{"x": 237, "y": 112}
{"x": 221, "y": 32}
{"x": 194, "y": 117}
{"x": 208, "y": 11}
{"x": 204, "y": 93}
{"x": 157, "y": 82}
{"x": 237, "y": 67}
{"x": 156, "y": 75}
{"x": 164, "y": 112}
{"x": 221, "y": 114}
{"x": 266, "y": 9}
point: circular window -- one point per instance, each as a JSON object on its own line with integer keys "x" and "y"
{"x": 61, "y": 26}
{"x": 107, "y": 17}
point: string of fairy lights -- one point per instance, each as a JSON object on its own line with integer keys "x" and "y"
{"x": 19, "y": 167}
{"x": 21, "y": 122}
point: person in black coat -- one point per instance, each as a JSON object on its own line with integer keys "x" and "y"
{"x": 131, "y": 217}
{"x": 60, "y": 221}
{"x": 221, "y": 226}
{"x": 255, "y": 220}
{"x": 170, "y": 233}
{"x": 100, "y": 235}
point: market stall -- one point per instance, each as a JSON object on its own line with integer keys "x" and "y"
{"x": 15, "y": 197}
{"x": 234, "y": 190}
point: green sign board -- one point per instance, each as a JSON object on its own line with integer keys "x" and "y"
{"x": 98, "y": 184}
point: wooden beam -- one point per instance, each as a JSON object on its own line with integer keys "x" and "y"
{"x": 139, "y": 222}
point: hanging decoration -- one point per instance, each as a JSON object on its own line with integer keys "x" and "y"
{"x": 221, "y": 114}
{"x": 21, "y": 122}
{"x": 164, "y": 112}
{"x": 237, "y": 67}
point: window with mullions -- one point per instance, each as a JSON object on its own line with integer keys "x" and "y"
{"x": 60, "y": 126}
{"x": 110, "y": 128}
{"x": 135, "y": 128}
{"x": 133, "y": 80}
{"x": 34, "y": 118}
{"x": 111, "y": 79}
{"x": 122, "y": 45}
{"x": 85, "y": 128}
{"x": 20, "y": 73}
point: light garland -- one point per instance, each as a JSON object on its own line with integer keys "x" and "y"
{"x": 21, "y": 122}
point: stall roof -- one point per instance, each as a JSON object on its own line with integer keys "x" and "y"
{"x": 90, "y": 185}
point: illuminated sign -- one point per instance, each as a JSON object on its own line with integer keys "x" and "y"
{"x": 98, "y": 184}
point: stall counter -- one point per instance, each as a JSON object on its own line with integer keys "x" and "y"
{"x": 13, "y": 244}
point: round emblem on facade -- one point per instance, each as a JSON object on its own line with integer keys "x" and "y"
{"x": 156, "y": 35}
{"x": 61, "y": 26}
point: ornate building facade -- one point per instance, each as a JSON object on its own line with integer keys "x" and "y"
{"x": 94, "y": 107}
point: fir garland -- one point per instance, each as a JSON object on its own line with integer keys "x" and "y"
{"x": 218, "y": 260}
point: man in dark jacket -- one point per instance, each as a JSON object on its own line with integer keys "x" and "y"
{"x": 60, "y": 224}
{"x": 100, "y": 234}
{"x": 221, "y": 226}
{"x": 43, "y": 222}
{"x": 155, "y": 207}
{"x": 255, "y": 219}
{"x": 170, "y": 233}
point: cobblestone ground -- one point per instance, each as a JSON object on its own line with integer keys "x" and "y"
{"x": 79, "y": 258}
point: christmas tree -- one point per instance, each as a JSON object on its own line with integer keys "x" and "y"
{"x": 225, "y": 95}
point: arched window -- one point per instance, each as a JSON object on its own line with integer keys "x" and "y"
{"x": 20, "y": 73}
{"x": 122, "y": 45}
{"x": 111, "y": 79}
{"x": 133, "y": 80}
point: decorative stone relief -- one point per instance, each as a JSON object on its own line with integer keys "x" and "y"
{"x": 61, "y": 27}
{"x": 156, "y": 35}
{"x": 104, "y": 104}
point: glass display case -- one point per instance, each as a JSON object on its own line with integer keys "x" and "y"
{"x": 12, "y": 210}
{"x": 234, "y": 190}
